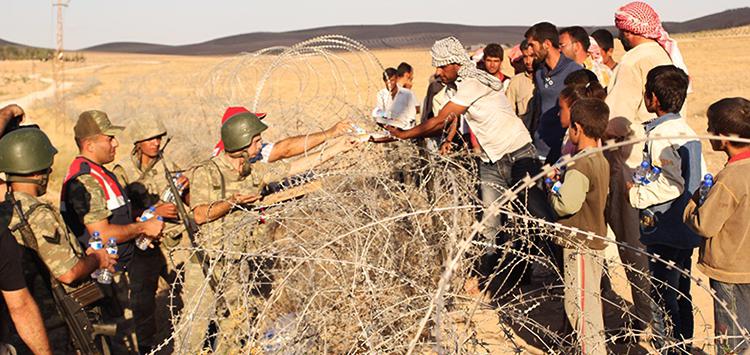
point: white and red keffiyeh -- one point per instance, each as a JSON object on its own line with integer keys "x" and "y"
{"x": 641, "y": 19}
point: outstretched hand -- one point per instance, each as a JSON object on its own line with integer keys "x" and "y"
{"x": 241, "y": 199}
{"x": 396, "y": 132}
{"x": 341, "y": 128}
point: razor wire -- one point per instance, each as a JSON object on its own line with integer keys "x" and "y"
{"x": 375, "y": 261}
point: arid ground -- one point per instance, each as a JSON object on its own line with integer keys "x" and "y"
{"x": 133, "y": 87}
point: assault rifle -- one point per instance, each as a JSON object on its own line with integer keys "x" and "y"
{"x": 190, "y": 227}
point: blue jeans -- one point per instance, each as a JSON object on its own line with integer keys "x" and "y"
{"x": 494, "y": 179}
{"x": 737, "y": 297}
{"x": 673, "y": 307}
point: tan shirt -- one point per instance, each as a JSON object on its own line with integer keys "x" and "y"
{"x": 520, "y": 91}
{"x": 627, "y": 109}
{"x": 723, "y": 221}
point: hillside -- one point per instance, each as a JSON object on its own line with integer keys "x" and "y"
{"x": 405, "y": 35}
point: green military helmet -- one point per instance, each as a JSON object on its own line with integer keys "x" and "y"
{"x": 145, "y": 129}
{"x": 25, "y": 151}
{"x": 238, "y": 131}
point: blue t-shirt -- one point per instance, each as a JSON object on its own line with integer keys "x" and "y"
{"x": 549, "y": 83}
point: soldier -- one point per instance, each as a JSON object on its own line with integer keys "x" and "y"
{"x": 145, "y": 181}
{"x": 218, "y": 187}
{"x": 26, "y": 157}
{"x": 92, "y": 200}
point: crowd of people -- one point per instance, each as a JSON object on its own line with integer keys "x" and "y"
{"x": 569, "y": 97}
{"x": 66, "y": 275}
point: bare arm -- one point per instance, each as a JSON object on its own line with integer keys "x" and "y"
{"x": 293, "y": 146}
{"x": 431, "y": 126}
{"x": 307, "y": 163}
{"x": 28, "y": 320}
{"x": 209, "y": 212}
{"x": 96, "y": 259}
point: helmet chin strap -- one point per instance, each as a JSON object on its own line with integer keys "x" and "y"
{"x": 246, "y": 167}
{"x": 41, "y": 182}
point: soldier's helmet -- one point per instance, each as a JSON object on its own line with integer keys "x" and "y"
{"x": 238, "y": 131}
{"x": 147, "y": 129}
{"x": 25, "y": 151}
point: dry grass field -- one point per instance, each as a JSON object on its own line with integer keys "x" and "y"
{"x": 182, "y": 92}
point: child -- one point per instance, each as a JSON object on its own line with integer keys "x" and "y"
{"x": 396, "y": 105}
{"x": 661, "y": 200}
{"x": 578, "y": 85}
{"x": 580, "y": 203}
{"x": 722, "y": 220}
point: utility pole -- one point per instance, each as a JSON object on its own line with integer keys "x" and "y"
{"x": 58, "y": 64}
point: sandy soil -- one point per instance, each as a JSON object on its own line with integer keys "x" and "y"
{"x": 163, "y": 85}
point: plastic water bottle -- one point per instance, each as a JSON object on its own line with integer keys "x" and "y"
{"x": 553, "y": 185}
{"x": 95, "y": 242}
{"x": 105, "y": 277}
{"x": 652, "y": 175}
{"x": 143, "y": 242}
{"x": 640, "y": 172}
{"x": 167, "y": 195}
{"x": 708, "y": 182}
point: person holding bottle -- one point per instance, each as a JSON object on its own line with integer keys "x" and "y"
{"x": 92, "y": 199}
{"x": 143, "y": 176}
{"x": 670, "y": 173}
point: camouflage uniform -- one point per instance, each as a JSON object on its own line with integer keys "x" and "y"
{"x": 58, "y": 250}
{"x": 86, "y": 197}
{"x": 214, "y": 181}
{"x": 144, "y": 187}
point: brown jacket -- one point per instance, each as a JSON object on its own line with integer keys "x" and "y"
{"x": 581, "y": 201}
{"x": 723, "y": 221}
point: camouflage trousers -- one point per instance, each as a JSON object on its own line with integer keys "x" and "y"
{"x": 221, "y": 319}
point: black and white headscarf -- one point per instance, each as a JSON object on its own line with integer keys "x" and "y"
{"x": 449, "y": 50}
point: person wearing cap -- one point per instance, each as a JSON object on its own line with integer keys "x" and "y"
{"x": 507, "y": 154}
{"x": 647, "y": 46}
{"x": 220, "y": 187}
{"x": 144, "y": 179}
{"x": 93, "y": 200}
{"x": 26, "y": 157}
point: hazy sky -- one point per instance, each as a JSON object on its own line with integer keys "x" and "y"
{"x": 91, "y": 22}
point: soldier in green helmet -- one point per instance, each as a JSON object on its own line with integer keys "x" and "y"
{"x": 218, "y": 187}
{"x": 26, "y": 157}
{"x": 144, "y": 178}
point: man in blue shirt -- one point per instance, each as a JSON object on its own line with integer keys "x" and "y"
{"x": 552, "y": 69}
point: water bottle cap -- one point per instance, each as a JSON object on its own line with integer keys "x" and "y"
{"x": 178, "y": 174}
{"x": 656, "y": 170}
{"x": 645, "y": 164}
{"x": 143, "y": 219}
{"x": 159, "y": 218}
{"x": 547, "y": 180}
{"x": 95, "y": 234}
{"x": 152, "y": 209}
{"x": 708, "y": 177}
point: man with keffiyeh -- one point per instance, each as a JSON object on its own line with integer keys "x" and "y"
{"x": 507, "y": 154}
{"x": 648, "y": 45}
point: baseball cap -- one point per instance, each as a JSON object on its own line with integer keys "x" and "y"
{"x": 93, "y": 122}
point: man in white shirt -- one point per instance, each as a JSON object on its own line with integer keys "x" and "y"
{"x": 396, "y": 106}
{"x": 507, "y": 153}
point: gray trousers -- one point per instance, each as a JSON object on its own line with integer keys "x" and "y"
{"x": 737, "y": 298}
